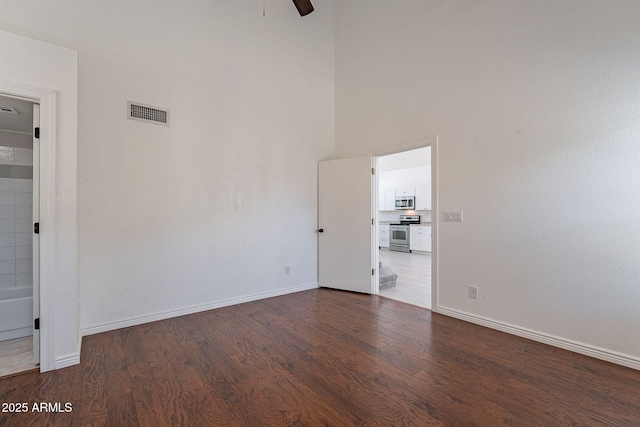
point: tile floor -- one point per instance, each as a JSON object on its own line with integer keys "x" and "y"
{"x": 16, "y": 356}
{"x": 413, "y": 285}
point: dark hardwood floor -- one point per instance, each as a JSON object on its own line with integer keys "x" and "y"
{"x": 325, "y": 357}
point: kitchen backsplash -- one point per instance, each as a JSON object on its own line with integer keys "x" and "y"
{"x": 392, "y": 216}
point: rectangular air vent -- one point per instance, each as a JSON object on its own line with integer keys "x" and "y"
{"x": 8, "y": 110}
{"x": 148, "y": 113}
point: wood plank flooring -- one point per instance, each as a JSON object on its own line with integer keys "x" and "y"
{"x": 325, "y": 357}
{"x": 413, "y": 285}
{"x": 16, "y": 356}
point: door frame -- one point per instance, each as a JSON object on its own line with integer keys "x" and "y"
{"x": 431, "y": 141}
{"x": 47, "y": 98}
{"x": 35, "y": 216}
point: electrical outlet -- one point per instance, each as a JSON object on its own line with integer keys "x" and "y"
{"x": 452, "y": 216}
{"x": 473, "y": 292}
{"x": 287, "y": 270}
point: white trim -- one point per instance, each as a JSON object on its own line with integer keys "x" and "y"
{"x": 375, "y": 211}
{"x": 576, "y": 347}
{"x": 133, "y": 321}
{"x": 47, "y": 99}
{"x": 375, "y": 277}
{"x": 48, "y": 131}
{"x": 67, "y": 360}
{"x": 16, "y": 131}
{"x": 16, "y": 333}
{"x": 435, "y": 220}
{"x": 35, "y": 214}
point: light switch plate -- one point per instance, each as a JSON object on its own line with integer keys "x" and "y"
{"x": 452, "y": 216}
{"x": 473, "y": 292}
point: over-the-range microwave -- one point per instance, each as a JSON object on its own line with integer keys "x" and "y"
{"x": 405, "y": 202}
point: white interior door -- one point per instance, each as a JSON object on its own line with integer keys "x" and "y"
{"x": 346, "y": 256}
{"x": 36, "y": 237}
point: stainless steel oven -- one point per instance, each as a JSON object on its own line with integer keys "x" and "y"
{"x": 399, "y": 233}
{"x": 399, "y": 238}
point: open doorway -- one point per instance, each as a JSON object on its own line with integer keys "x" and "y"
{"x": 19, "y": 250}
{"x": 405, "y": 226}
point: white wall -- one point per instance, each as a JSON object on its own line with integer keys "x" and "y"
{"x": 536, "y": 106}
{"x": 42, "y": 65}
{"x": 209, "y": 210}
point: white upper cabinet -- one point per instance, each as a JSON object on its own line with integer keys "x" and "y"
{"x": 405, "y": 191}
{"x": 389, "y": 199}
{"x": 423, "y": 198}
{"x": 408, "y": 182}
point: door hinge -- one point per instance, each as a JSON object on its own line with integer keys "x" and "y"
{"x": 373, "y": 271}
{"x": 373, "y": 221}
{"x": 36, "y": 323}
{"x": 36, "y": 133}
{"x": 373, "y": 171}
{"x": 36, "y": 228}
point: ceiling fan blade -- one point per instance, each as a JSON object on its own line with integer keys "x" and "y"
{"x": 304, "y": 6}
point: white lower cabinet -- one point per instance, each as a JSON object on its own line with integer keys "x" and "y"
{"x": 383, "y": 235}
{"x": 420, "y": 238}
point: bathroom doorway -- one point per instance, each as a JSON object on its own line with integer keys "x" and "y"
{"x": 19, "y": 244}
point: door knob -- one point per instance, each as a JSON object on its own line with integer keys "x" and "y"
{"x": 321, "y": 230}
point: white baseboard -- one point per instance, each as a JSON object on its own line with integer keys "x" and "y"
{"x": 16, "y": 333}
{"x": 576, "y": 347}
{"x": 133, "y": 321}
{"x": 66, "y": 361}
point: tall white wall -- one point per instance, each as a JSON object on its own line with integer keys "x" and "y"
{"x": 211, "y": 209}
{"x": 536, "y": 106}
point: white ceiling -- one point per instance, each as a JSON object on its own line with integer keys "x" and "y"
{"x": 405, "y": 159}
{"x": 23, "y": 121}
